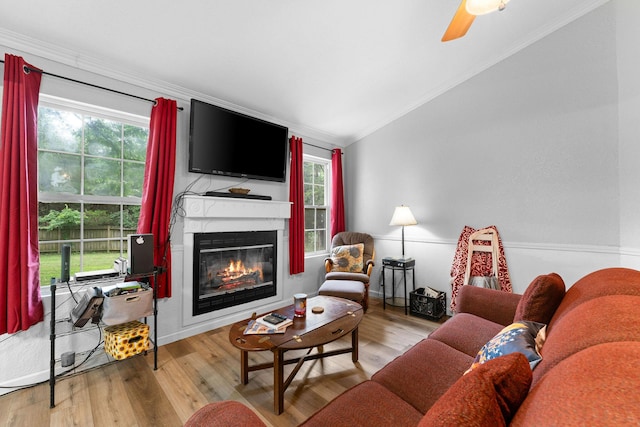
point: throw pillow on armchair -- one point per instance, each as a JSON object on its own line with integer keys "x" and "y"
{"x": 348, "y": 258}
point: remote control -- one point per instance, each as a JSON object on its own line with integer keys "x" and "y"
{"x": 275, "y": 318}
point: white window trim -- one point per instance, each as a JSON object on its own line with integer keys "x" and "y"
{"x": 95, "y": 110}
{"x": 327, "y": 189}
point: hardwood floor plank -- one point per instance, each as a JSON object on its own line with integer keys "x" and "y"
{"x": 179, "y": 348}
{"x": 29, "y": 407}
{"x": 73, "y": 404}
{"x": 217, "y": 379}
{"x": 151, "y": 406}
{"x": 184, "y": 395}
{"x": 5, "y": 406}
{"x": 106, "y": 392}
{"x": 206, "y": 368}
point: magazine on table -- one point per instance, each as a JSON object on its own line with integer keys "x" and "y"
{"x": 272, "y": 323}
{"x": 256, "y": 328}
{"x": 275, "y": 320}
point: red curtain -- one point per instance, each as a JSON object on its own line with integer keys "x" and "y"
{"x": 296, "y": 197}
{"x": 337, "y": 193}
{"x": 157, "y": 191}
{"x": 20, "y": 300}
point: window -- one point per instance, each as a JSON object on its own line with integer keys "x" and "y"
{"x": 316, "y": 204}
{"x": 90, "y": 175}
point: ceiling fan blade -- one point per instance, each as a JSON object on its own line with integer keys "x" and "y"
{"x": 460, "y": 23}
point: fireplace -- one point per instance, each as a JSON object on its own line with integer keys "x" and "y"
{"x": 233, "y": 268}
{"x": 207, "y": 220}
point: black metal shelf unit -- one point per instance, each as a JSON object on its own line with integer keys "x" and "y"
{"x": 97, "y": 282}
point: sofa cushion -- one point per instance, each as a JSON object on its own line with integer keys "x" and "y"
{"x": 609, "y": 281}
{"x": 367, "y": 404}
{"x": 518, "y": 337}
{"x": 466, "y": 332}
{"x": 597, "y": 386}
{"x": 348, "y": 258}
{"x": 541, "y": 299}
{"x": 423, "y": 373}
{"x": 487, "y": 396}
{"x": 496, "y": 306}
{"x": 605, "y": 319}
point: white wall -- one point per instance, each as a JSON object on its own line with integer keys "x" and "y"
{"x": 529, "y": 145}
{"x": 627, "y": 36}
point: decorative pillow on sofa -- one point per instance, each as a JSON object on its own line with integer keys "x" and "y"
{"x": 541, "y": 299}
{"x": 522, "y": 337}
{"x": 348, "y": 258}
{"x": 488, "y": 396}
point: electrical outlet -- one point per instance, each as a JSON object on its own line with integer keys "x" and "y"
{"x": 68, "y": 359}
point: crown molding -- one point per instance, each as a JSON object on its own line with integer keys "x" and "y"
{"x": 21, "y": 44}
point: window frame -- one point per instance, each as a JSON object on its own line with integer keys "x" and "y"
{"x": 307, "y": 158}
{"x": 122, "y": 201}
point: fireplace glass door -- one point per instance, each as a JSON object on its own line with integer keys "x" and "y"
{"x": 233, "y": 268}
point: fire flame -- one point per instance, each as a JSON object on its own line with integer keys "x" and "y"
{"x": 237, "y": 269}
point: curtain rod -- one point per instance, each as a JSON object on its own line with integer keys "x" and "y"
{"x": 90, "y": 84}
{"x": 322, "y": 148}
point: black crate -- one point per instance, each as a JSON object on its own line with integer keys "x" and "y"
{"x": 432, "y": 308}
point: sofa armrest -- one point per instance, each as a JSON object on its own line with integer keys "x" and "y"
{"x": 227, "y": 413}
{"x": 490, "y": 304}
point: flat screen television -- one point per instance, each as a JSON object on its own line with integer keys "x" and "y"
{"x": 224, "y": 142}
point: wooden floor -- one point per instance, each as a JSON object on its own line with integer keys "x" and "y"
{"x": 206, "y": 368}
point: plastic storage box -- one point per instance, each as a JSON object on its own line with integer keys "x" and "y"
{"x": 428, "y": 304}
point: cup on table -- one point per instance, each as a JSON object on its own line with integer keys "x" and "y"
{"x": 300, "y": 305}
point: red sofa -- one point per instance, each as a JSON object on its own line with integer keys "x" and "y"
{"x": 589, "y": 373}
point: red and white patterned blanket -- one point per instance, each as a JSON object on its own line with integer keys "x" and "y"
{"x": 480, "y": 264}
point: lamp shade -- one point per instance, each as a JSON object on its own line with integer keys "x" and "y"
{"x": 482, "y": 7}
{"x": 403, "y": 216}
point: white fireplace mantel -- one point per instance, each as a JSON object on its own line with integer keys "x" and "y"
{"x": 204, "y": 214}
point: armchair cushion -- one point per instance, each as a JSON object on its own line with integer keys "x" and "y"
{"x": 348, "y": 289}
{"x": 348, "y": 258}
{"x": 339, "y": 275}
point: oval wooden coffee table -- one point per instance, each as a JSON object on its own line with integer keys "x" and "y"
{"x": 340, "y": 317}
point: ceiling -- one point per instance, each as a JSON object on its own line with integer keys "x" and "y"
{"x": 332, "y": 69}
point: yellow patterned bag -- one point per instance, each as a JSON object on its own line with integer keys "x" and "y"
{"x": 126, "y": 340}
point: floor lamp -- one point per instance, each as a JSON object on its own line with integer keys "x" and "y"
{"x": 402, "y": 216}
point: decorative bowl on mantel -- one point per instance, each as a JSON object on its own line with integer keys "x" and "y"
{"x": 239, "y": 190}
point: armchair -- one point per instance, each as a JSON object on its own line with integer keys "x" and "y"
{"x": 349, "y": 267}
